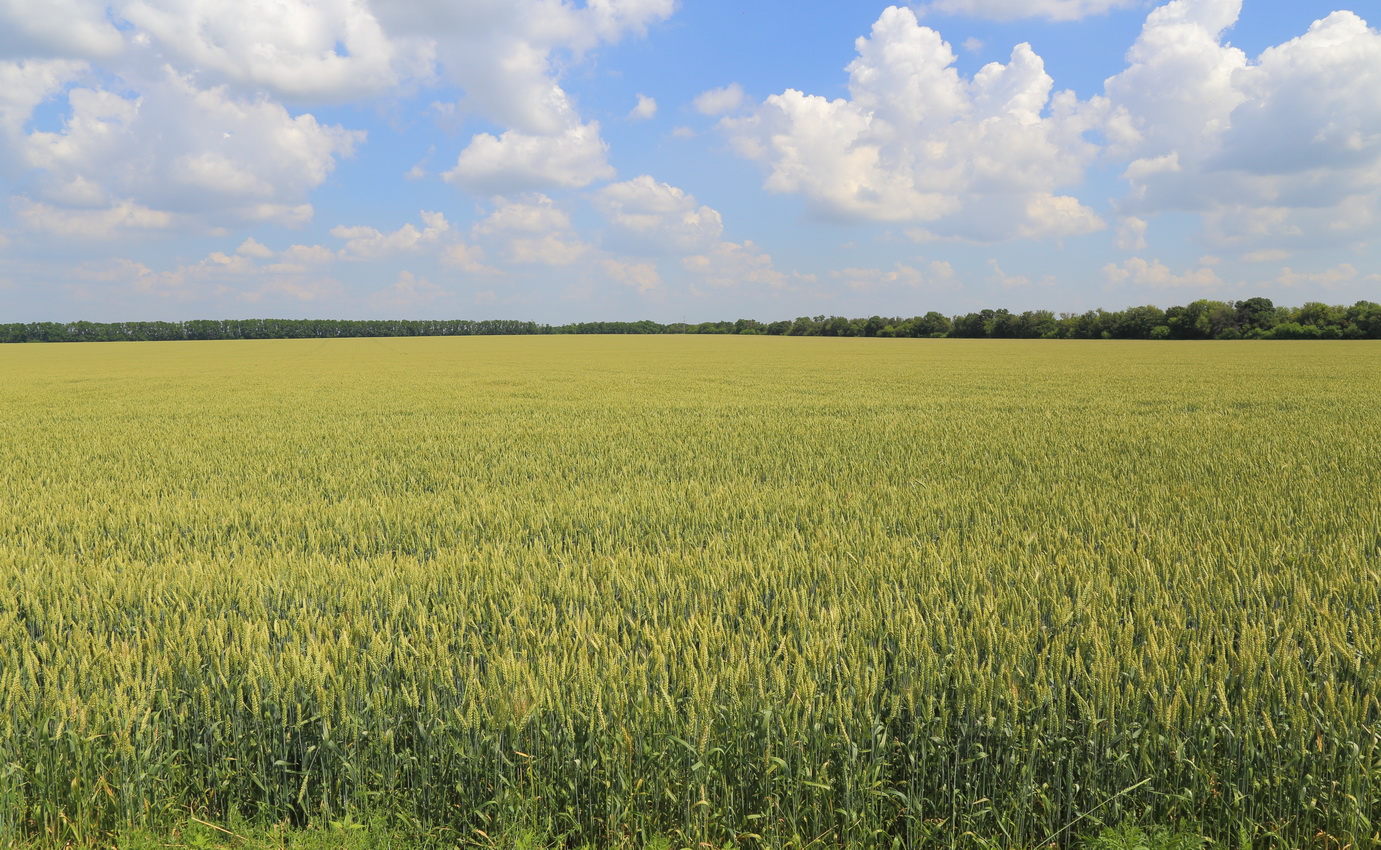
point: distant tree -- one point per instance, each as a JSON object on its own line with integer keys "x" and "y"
{"x": 1255, "y": 314}
{"x": 972, "y": 325}
{"x": 1137, "y": 322}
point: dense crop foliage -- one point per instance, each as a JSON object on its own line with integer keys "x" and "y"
{"x": 729, "y": 590}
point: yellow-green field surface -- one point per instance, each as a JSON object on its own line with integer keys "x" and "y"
{"x": 740, "y": 591}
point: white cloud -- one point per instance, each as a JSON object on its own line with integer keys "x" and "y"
{"x": 646, "y": 108}
{"x": 1006, "y": 10}
{"x": 1280, "y": 152}
{"x": 1266, "y": 255}
{"x": 252, "y": 247}
{"x": 23, "y": 86}
{"x": 502, "y": 53}
{"x": 721, "y": 100}
{"x": 974, "y": 159}
{"x": 519, "y": 162}
{"x": 119, "y": 217}
{"x": 300, "y": 259}
{"x": 1328, "y": 279}
{"x": 533, "y": 231}
{"x": 332, "y": 49}
{"x": 650, "y": 217}
{"x": 1008, "y": 281}
{"x": 507, "y": 58}
{"x": 188, "y": 153}
{"x": 409, "y": 292}
{"x": 732, "y": 265}
{"x": 367, "y": 243}
{"x": 1156, "y": 274}
{"x": 640, "y": 276}
{"x": 70, "y": 28}
{"x": 938, "y": 274}
{"x": 225, "y": 277}
{"x": 467, "y": 258}
{"x": 1131, "y": 234}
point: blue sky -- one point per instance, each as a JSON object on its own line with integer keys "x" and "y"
{"x": 618, "y": 159}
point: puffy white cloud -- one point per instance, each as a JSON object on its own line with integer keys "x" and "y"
{"x": 1008, "y": 281}
{"x": 24, "y": 85}
{"x": 1131, "y": 234}
{"x": 467, "y": 258}
{"x": 105, "y": 223}
{"x": 300, "y": 273}
{"x": 732, "y": 265}
{"x": 645, "y": 109}
{"x": 915, "y": 142}
{"x": 252, "y": 247}
{"x": 1280, "y": 151}
{"x": 67, "y": 28}
{"x": 332, "y": 49}
{"x": 1006, "y": 10}
{"x": 1337, "y": 277}
{"x": 1156, "y": 274}
{"x": 300, "y": 259}
{"x": 936, "y": 275}
{"x": 187, "y": 152}
{"x": 536, "y": 214}
{"x": 650, "y": 217}
{"x": 1266, "y": 255}
{"x": 721, "y": 100}
{"x": 532, "y": 231}
{"x": 368, "y": 243}
{"x": 409, "y": 292}
{"x": 519, "y": 162}
{"x": 506, "y": 56}
{"x": 640, "y": 276}
{"x": 501, "y": 51}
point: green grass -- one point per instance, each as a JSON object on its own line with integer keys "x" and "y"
{"x": 730, "y": 591}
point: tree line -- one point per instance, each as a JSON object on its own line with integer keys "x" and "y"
{"x": 1252, "y": 318}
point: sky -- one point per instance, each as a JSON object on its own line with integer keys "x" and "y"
{"x": 682, "y": 160}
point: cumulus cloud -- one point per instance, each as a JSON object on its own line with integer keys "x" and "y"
{"x": 976, "y": 159}
{"x": 732, "y": 265}
{"x": 300, "y": 274}
{"x": 467, "y": 258}
{"x": 1280, "y": 151}
{"x": 645, "y": 109}
{"x": 105, "y": 223}
{"x": 650, "y": 217}
{"x": 721, "y": 100}
{"x": 26, "y": 84}
{"x": 532, "y": 231}
{"x": 68, "y": 28}
{"x": 640, "y": 276}
{"x": 520, "y": 162}
{"x": 187, "y": 65}
{"x": 1131, "y": 233}
{"x": 1006, "y": 10}
{"x": 182, "y": 153}
{"x": 1327, "y": 279}
{"x": 409, "y": 292}
{"x": 936, "y": 275}
{"x": 1156, "y": 274}
{"x": 368, "y": 243}
{"x": 319, "y": 49}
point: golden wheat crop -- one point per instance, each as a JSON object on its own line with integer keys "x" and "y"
{"x": 732, "y": 590}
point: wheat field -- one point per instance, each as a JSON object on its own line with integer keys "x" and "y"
{"x": 733, "y": 591}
